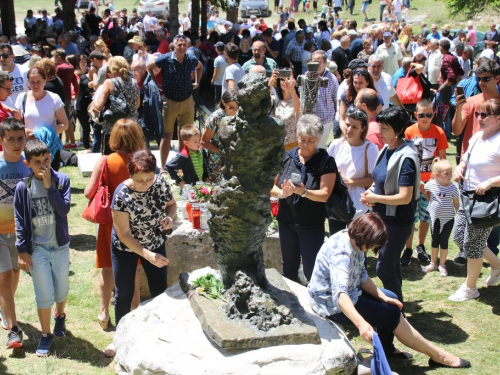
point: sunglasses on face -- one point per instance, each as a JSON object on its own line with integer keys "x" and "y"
{"x": 356, "y": 113}
{"x": 5, "y": 55}
{"x": 484, "y": 79}
{"x": 424, "y": 115}
{"x": 483, "y": 115}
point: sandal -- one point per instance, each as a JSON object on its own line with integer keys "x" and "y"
{"x": 104, "y": 324}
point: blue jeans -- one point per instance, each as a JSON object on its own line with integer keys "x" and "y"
{"x": 381, "y": 316}
{"x": 494, "y": 240}
{"x": 124, "y": 267}
{"x": 298, "y": 242}
{"x": 388, "y": 266}
{"x": 50, "y": 274}
{"x": 96, "y": 146}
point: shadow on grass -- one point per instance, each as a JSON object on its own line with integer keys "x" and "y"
{"x": 490, "y": 296}
{"x": 435, "y": 326}
{"x": 407, "y": 367}
{"x": 3, "y": 367}
{"x": 75, "y": 190}
{"x": 413, "y": 272}
{"x": 69, "y": 346}
{"x": 83, "y": 242}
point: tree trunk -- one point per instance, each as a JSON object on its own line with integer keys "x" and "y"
{"x": 174, "y": 18}
{"x": 8, "y": 18}
{"x": 195, "y": 18}
{"x": 204, "y": 17}
{"x": 68, "y": 14}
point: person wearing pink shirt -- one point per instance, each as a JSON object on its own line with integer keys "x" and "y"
{"x": 471, "y": 34}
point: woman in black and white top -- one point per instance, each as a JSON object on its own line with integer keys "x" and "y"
{"x": 481, "y": 163}
{"x": 142, "y": 208}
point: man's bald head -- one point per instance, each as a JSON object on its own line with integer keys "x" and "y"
{"x": 367, "y": 99}
{"x": 257, "y": 69}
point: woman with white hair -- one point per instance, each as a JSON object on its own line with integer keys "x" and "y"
{"x": 303, "y": 187}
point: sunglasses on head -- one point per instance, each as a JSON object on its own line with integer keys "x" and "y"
{"x": 360, "y": 72}
{"x": 484, "y": 79}
{"x": 356, "y": 113}
{"x": 5, "y": 55}
{"x": 424, "y": 115}
{"x": 180, "y": 37}
{"x": 483, "y": 115}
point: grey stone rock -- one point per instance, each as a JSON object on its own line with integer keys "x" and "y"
{"x": 241, "y": 333}
{"x": 164, "y": 336}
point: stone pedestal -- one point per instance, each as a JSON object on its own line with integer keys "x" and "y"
{"x": 164, "y": 336}
{"x": 190, "y": 249}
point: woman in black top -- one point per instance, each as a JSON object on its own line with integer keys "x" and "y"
{"x": 83, "y": 100}
{"x": 245, "y": 51}
{"x": 301, "y": 215}
{"x": 53, "y": 84}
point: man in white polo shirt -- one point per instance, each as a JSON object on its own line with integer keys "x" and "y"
{"x": 382, "y": 81}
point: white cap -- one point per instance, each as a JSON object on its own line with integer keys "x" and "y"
{"x": 470, "y": 23}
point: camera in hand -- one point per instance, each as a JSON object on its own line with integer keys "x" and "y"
{"x": 284, "y": 73}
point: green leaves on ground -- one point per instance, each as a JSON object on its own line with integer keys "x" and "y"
{"x": 210, "y": 286}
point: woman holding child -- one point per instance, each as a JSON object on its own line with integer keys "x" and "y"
{"x": 479, "y": 171}
{"x": 341, "y": 290}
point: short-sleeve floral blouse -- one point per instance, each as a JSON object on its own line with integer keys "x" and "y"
{"x": 145, "y": 209}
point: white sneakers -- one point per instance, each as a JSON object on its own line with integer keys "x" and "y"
{"x": 432, "y": 267}
{"x": 464, "y": 293}
{"x": 494, "y": 277}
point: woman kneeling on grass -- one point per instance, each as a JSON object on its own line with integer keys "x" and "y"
{"x": 341, "y": 290}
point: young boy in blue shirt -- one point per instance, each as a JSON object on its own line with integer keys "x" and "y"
{"x": 12, "y": 170}
{"x": 41, "y": 204}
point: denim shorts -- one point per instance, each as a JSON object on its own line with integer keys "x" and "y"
{"x": 364, "y": 6}
{"x": 421, "y": 212}
{"x": 50, "y": 274}
{"x": 8, "y": 252}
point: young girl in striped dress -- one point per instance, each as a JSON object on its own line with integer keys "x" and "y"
{"x": 442, "y": 196}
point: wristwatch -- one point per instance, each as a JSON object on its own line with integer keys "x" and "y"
{"x": 304, "y": 194}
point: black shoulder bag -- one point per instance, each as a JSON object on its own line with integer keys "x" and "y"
{"x": 481, "y": 211}
{"x": 116, "y": 107}
{"x": 339, "y": 205}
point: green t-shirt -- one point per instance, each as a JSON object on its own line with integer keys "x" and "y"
{"x": 197, "y": 159}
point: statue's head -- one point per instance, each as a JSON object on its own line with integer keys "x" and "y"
{"x": 253, "y": 95}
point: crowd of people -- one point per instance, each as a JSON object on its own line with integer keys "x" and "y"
{"x": 388, "y": 149}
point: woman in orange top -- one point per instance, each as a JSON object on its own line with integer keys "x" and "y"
{"x": 126, "y": 137}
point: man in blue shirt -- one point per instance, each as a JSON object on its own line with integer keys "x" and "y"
{"x": 66, "y": 43}
{"x": 181, "y": 74}
{"x": 403, "y": 71}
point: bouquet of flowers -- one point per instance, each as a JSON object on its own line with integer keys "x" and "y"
{"x": 203, "y": 193}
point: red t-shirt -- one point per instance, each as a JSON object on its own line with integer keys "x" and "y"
{"x": 428, "y": 143}
{"x": 67, "y": 74}
{"x": 164, "y": 46}
{"x": 3, "y": 114}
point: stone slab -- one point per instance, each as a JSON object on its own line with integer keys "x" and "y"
{"x": 237, "y": 334}
{"x": 164, "y": 336}
{"x": 86, "y": 161}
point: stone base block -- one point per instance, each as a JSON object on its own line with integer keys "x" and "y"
{"x": 236, "y": 334}
{"x": 164, "y": 336}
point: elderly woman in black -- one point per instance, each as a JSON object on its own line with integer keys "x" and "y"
{"x": 303, "y": 188}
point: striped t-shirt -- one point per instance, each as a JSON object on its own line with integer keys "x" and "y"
{"x": 441, "y": 203}
{"x": 197, "y": 159}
